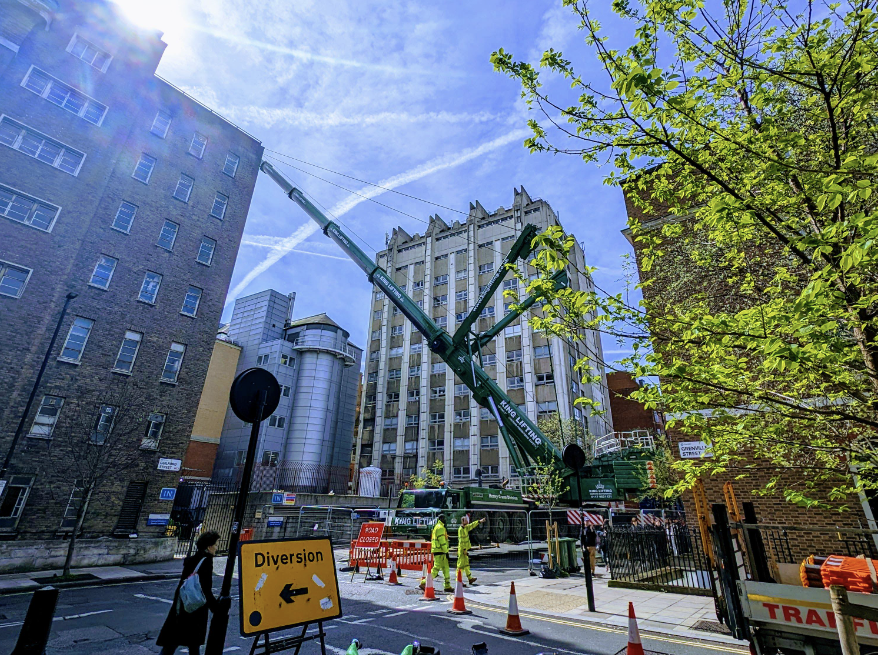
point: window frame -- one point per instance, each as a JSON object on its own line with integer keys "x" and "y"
{"x": 201, "y": 246}
{"x": 76, "y": 38}
{"x": 24, "y": 128}
{"x": 179, "y": 367}
{"x": 158, "y": 287}
{"x": 200, "y": 155}
{"x": 169, "y": 248}
{"x": 32, "y": 211}
{"x": 183, "y": 177}
{"x": 48, "y": 435}
{"x": 125, "y": 338}
{"x": 96, "y": 430}
{"x": 226, "y": 163}
{"x": 152, "y": 130}
{"x": 143, "y": 156}
{"x": 194, "y": 313}
{"x": 116, "y": 217}
{"x": 222, "y": 214}
{"x": 101, "y": 259}
{"x": 73, "y": 324}
{"x": 70, "y": 89}
{"x": 4, "y": 269}
{"x": 148, "y": 443}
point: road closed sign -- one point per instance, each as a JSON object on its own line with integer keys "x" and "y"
{"x": 370, "y": 535}
{"x": 286, "y": 583}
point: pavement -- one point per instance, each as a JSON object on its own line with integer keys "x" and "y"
{"x": 98, "y": 576}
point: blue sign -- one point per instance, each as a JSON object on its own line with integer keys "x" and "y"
{"x": 168, "y": 493}
{"x": 275, "y": 521}
{"x": 158, "y": 519}
{"x": 277, "y": 498}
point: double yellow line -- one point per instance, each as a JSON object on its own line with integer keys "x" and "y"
{"x": 600, "y": 628}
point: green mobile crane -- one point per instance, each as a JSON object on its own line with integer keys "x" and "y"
{"x": 527, "y": 445}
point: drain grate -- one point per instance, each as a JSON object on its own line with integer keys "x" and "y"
{"x": 712, "y": 626}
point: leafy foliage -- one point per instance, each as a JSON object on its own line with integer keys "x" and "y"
{"x": 749, "y": 129}
{"x": 428, "y": 477}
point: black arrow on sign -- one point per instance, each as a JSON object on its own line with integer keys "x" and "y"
{"x": 288, "y": 592}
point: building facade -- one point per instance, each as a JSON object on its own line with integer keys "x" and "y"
{"x": 414, "y": 412}
{"x": 120, "y": 188}
{"x": 306, "y": 443}
{"x": 628, "y": 414}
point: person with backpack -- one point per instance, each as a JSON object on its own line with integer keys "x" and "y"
{"x": 186, "y": 624}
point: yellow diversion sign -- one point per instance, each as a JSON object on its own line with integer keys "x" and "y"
{"x": 286, "y": 583}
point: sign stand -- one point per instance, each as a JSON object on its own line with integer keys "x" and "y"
{"x": 370, "y": 538}
{"x": 287, "y": 643}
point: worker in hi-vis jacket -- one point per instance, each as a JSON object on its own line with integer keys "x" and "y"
{"x": 463, "y": 545}
{"x": 439, "y": 548}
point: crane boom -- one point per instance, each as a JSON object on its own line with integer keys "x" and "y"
{"x": 527, "y": 445}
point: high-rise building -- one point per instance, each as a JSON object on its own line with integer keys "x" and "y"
{"x": 306, "y": 443}
{"x": 414, "y": 412}
{"x": 119, "y": 187}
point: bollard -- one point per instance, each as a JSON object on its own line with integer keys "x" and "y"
{"x": 844, "y": 621}
{"x": 34, "y": 633}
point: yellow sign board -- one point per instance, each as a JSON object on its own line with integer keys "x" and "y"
{"x": 286, "y": 583}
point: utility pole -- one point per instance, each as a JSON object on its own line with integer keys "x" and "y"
{"x": 33, "y": 393}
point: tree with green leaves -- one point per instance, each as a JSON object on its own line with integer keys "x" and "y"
{"x": 545, "y": 485}
{"x": 562, "y": 432}
{"x": 428, "y": 477}
{"x": 749, "y": 129}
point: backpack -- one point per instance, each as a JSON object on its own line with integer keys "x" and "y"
{"x": 191, "y": 594}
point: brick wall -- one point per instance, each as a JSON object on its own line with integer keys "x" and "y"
{"x": 627, "y": 414}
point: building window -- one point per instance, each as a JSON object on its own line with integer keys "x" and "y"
{"x": 374, "y": 355}
{"x": 168, "y": 235}
{"x": 513, "y": 355}
{"x": 150, "y": 287}
{"x": 544, "y": 409}
{"x": 461, "y": 416}
{"x": 77, "y": 337}
{"x": 507, "y": 307}
{"x": 438, "y": 301}
{"x": 231, "y": 165}
{"x": 124, "y": 217}
{"x": 414, "y": 395}
{"x": 394, "y": 374}
{"x": 487, "y": 415}
{"x": 39, "y": 146}
{"x": 395, "y": 331}
{"x": 263, "y": 360}
{"x": 26, "y": 210}
{"x": 275, "y": 421}
{"x": 460, "y": 275}
{"x": 372, "y": 377}
{"x": 66, "y": 97}
{"x": 490, "y": 442}
{"x": 437, "y": 392}
{"x": 376, "y": 334}
{"x": 440, "y": 279}
{"x": 388, "y": 448}
{"x": 541, "y": 351}
{"x": 155, "y": 424}
{"x": 191, "y": 301}
{"x": 441, "y": 321}
{"x": 418, "y": 286}
{"x": 173, "y": 363}
{"x": 13, "y": 279}
{"x": 545, "y": 378}
{"x": 68, "y": 520}
{"x": 510, "y": 285}
{"x": 143, "y": 170}
{"x": 47, "y": 417}
{"x": 487, "y": 311}
{"x": 205, "y": 251}
{"x": 439, "y": 258}
{"x": 414, "y": 371}
{"x": 411, "y": 448}
{"x": 396, "y": 311}
{"x": 415, "y": 348}
{"x": 270, "y": 457}
{"x": 508, "y": 237}
{"x": 460, "y": 296}
{"x": 512, "y": 330}
{"x": 160, "y": 124}
{"x": 287, "y": 360}
{"x": 241, "y": 455}
{"x": 184, "y": 188}
{"x": 489, "y": 360}
{"x": 492, "y": 471}
{"x": 436, "y": 445}
{"x": 104, "y": 424}
{"x": 461, "y": 443}
{"x": 392, "y": 397}
{"x": 285, "y": 391}
{"x": 14, "y": 499}
{"x": 128, "y": 352}
{"x": 461, "y": 390}
{"x": 438, "y": 367}
{"x": 199, "y": 143}
{"x": 486, "y": 268}
{"x": 391, "y": 421}
{"x": 370, "y": 398}
{"x": 220, "y": 202}
{"x": 377, "y": 315}
{"x": 515, "y": 382}
{"x": 437, "y": 417}
{"x": 460, "y": 473}
{"x": 89, "y": 53}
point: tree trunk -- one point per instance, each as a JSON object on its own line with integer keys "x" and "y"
{"x": 80, "y": 517}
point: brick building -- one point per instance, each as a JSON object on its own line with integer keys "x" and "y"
{"x": 118, "y": 187}
{"x": 667, "y": 284}
{"x": 628, "y": 414}
{"x": 414, "y": 411}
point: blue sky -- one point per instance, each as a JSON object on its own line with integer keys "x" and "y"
{"x": 391, "y": 92}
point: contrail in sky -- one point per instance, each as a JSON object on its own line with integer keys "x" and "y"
{"x": 428, "y": 168}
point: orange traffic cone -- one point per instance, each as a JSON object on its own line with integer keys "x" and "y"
{"x": 513, "y": 622}
{"x": 634, "y": 645}
{"x": 429, "y": 592}
{"x": 393, "y": 579}
{"x": 457, "y": 607}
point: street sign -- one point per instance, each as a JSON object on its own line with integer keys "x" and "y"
{"x": 286, "y": 583}
{"x": 370, "y": 535}
{"x": 168, "y": 493}
{"x": 289, "y": 499}
{"x": 277, "y": 498}
{"x": 275, "y": 521}
{"x": 694, "y": 449}
{"x": 166, "y": 464}
{"x": 244, "y": 395}
{"x": 158, "y": 519}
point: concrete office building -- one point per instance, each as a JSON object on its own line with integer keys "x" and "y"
{"x": 414, "y": 412}
{"x": 116, "y": 186}
{"x": 306, "y": 443}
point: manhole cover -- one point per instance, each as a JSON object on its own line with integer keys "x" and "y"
{"x": 712, "y": 626}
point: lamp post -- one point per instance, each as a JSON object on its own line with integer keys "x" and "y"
{"x": 33, "y": 393}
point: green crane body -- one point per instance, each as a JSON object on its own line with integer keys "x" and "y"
{"x": 527, "y": 445}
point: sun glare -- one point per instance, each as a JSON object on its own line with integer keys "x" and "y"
{"x": 164, "y": 15}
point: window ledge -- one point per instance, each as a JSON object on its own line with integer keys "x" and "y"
{"x": 146, "y": 302}
{"x": 219, "y": 218}
{"x": 185, "y": 202}
{"x": 121, "y": 372}
{"x": 41, "y": 437}
{"x": 95, "y": 286}
{"x": 189, "y": 315}
{"x": 163, "y": 248}
{"x": 139, "y": 180}
{"x": 70, "y": 361}
{"x": 116, "y": 229}
{"x": 172, "y": 383}
{"x": 202, "y": 263}
{"x": 150, "y": 447}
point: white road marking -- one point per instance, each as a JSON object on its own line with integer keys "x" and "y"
{"x": 231, "y": 648}
{"x": 70, "y": 617}
{"x": 387, "y": 616}
{"x": 161, "y": 600}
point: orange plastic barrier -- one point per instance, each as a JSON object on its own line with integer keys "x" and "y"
{"x": 246, "y": 534}
{"x": 852, "y": 573}
{"x": 410, "y": 555}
